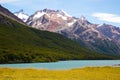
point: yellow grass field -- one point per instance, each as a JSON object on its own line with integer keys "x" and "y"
{"x": 88, "y": 73}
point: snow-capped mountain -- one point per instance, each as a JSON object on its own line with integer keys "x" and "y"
{"x": 51, "y": 20}
{"x": 20, "y": 14}
{"x": 99, "y": 37}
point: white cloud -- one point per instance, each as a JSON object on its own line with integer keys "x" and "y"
{"x": 8, "y": 1}
{"x": 107, "y": 17}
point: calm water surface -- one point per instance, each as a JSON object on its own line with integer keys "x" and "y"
{"x": 64, "y": 64}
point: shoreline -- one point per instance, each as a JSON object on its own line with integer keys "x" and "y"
{"x": 112, "y": 66}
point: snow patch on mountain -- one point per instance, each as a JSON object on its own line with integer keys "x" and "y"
{"x": 62, "y": 12}
{"x": 38, "y": 15}
{"x": 71, "y": 23}
{"x": 63, "y": 17}
{"x": 21, "y": 15}
{"x": 100, "y": 25}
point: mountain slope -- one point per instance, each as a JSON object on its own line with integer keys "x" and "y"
{"x": 6, "y": 12}
{"x": 80, "y": 29}
{"x": 19, "y": 43}
{"x": 94, "y": 38}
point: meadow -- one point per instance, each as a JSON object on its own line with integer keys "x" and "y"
{"x": 88, "y": 73}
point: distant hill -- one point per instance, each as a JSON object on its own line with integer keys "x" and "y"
{"x": 20, "y": 43}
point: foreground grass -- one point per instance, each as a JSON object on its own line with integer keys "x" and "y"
{"x": 95, "y": 73}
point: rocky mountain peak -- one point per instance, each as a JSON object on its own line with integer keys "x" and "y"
{"x": 82, "y": 18}
{"x": 47, "y": 10}
{"x": 51, "y": 20}
{"x": 84, "y": 22}
{"x": 54, "y": 20}
{"x": 62, "y": 12}
{"x": 50, "y": 11}
{"x": 22, "y": 15}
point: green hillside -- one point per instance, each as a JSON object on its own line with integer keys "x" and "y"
{"x": 102, "y": 46}
{"x": 19, "y": 43}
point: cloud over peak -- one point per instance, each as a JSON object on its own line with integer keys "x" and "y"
{"x": 107, "y": 17}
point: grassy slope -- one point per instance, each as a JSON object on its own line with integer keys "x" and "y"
{"x": 19, "y": 43}
{"x": 95, "y": 73}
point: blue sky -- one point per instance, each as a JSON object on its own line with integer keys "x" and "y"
{"x": 96, "y": 11}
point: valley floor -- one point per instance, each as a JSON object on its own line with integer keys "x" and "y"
{"x": 88, "y": 73}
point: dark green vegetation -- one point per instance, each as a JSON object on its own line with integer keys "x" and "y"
{"x": 102, "y": 46}
{"x": 107, "y": 47}
{"x": 19, "y": 43}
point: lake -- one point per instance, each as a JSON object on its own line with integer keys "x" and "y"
{"x": 64, "y": 64}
